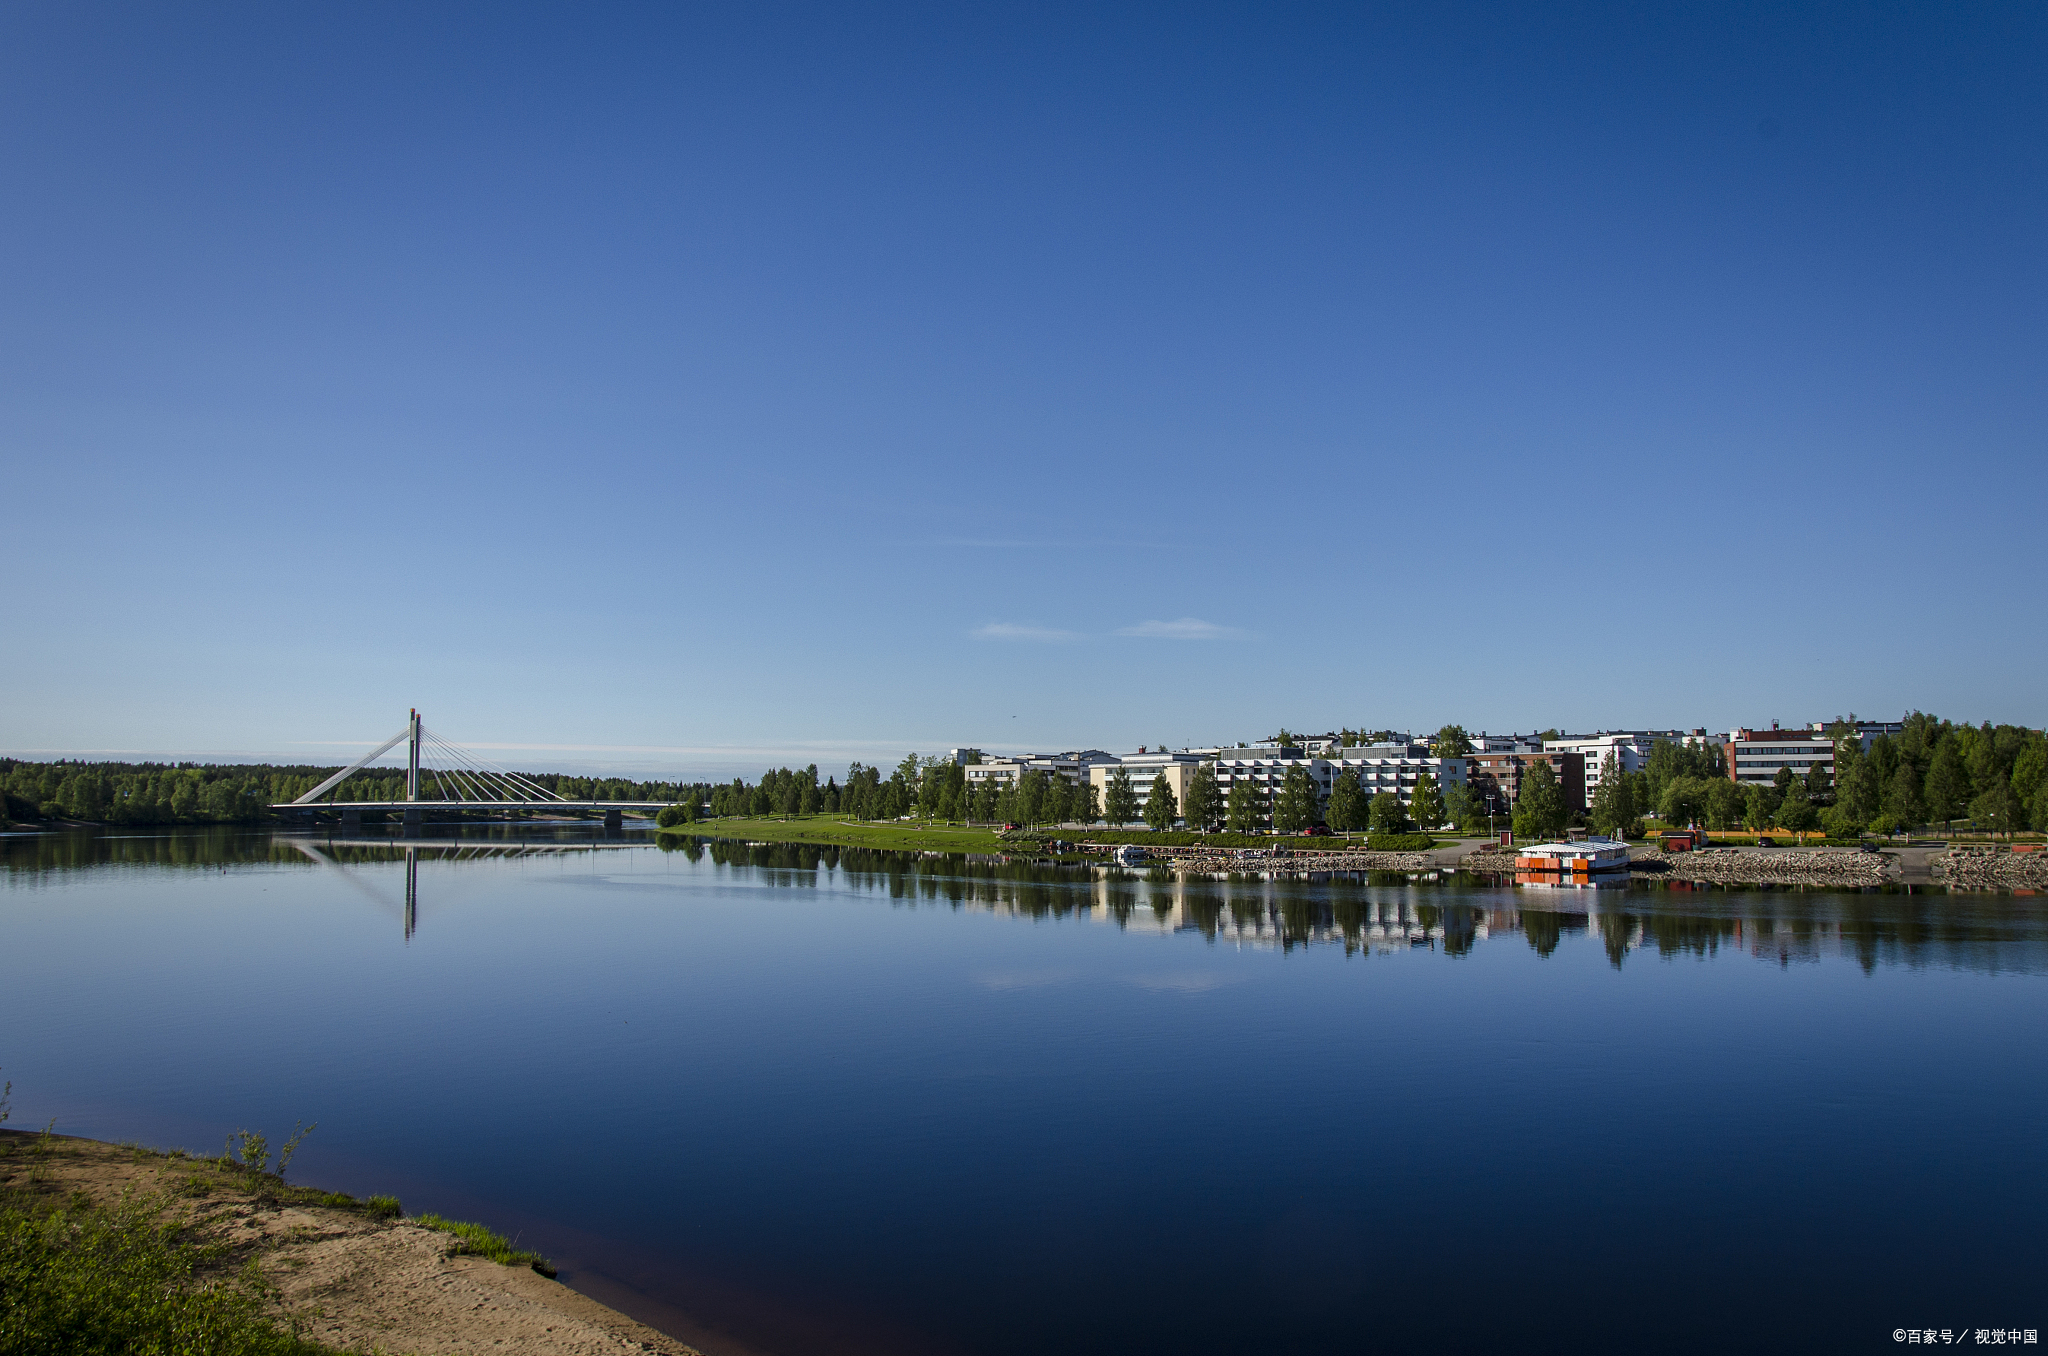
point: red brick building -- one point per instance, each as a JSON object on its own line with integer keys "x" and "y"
{"x": 1500, "y": 775}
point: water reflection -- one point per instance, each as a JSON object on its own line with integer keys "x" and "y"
{"x": 34, "y": 857}
{"x": 1363, "y": 913}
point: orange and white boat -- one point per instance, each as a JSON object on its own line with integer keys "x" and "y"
{"x": 1582, "y": 860}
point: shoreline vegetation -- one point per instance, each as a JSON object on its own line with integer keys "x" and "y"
{"x": 115, "y": 1247}
{"x": 911, "y": 835}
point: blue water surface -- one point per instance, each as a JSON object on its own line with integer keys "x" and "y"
{"x": 782, "y": 1101}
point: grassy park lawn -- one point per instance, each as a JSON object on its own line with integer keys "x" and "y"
{"x": 894, "y": 834}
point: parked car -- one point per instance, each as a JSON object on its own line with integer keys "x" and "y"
{"x": 1765, "y": 840}
{"x": 1316, "y": 831}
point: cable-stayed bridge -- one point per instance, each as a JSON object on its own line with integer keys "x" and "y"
{"x": 444, "y": 776}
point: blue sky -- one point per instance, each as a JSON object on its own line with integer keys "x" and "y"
{"x": 691, "y": 389}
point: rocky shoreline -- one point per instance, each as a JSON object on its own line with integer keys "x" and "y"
{"x": 1261, "y": 860}
{"x": 1836, "y": 868}
{"x": 1726, "y": 866}
{"x": 1984, "y": 869}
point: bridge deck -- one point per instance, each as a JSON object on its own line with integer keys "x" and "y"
{"x": 555, "y": 806}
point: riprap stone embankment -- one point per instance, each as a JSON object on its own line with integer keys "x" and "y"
{"x": 1727, "y": 866}
{"x": 1984, "y": 869}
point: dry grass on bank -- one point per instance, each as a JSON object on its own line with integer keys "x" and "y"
{"x": 115, "y": 1248}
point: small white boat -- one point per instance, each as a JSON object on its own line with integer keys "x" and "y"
{"x": 1585, "y": 857}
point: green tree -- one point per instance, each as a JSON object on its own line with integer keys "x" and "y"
{"x": 1902, "y": 798}
{"x": 1684, "y": 802}
{"x": 1859, "y": 792}
{"x": 1087, "y": 807}
{"x": 1204, "y": 802}
{"x": 1539, "y": 809}
{"x": 1756, "y": 808}
{"x": 1245, "y": 811}
{"x": 1465, "y": 807}
{"x": 1160, "y": 809}
{"x": 1451, "y": 742}
{"x": 1724, "y": 804}
{"x": 1795, "y": 812}
{"x": 1947, "y": 792}
{"x": 1345, "y": 809}
{"x": 1030, "y": 791}
{"x": 1997, "y": 808}
{"x": 1386, "y": 814}
{"x": 2030, "y": 770}
{"x": 1426, "y": 803}
{"x": 1294, "y": 809}
{"x": 1120, "y": 804}
{"x": 1614, "y": 806}
{"x": 1059, "y": 800}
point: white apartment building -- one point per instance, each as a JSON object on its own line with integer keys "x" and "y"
{"x": 1754, "y": 756}
{"x": 1631, "y": 749}
{"x": 1508, "y": 743}
{"x": 1376, "y": 772}
{"x": 1073, "y": 765}
{"x": 1142, "y": 767}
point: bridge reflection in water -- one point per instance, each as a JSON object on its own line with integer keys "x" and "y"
{"x": 339, "y": 854}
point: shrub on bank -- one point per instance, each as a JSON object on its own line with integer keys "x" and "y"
{"x": 122, "y": 1279}
{"x": 1377, "y": 842}
{"x": 1148, "y": 838}
{"x": 478, "y": 1241}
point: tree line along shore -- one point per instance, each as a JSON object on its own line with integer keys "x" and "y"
{"x": 1933, "y": 772}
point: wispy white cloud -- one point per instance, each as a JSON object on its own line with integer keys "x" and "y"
{"x": 1016, "y": 631}
{"x": 1186, "y": 981}
{"x": 1002, "y": 981}
{"x": 1187, "y": 628}
{"x": 1005, "y": 543}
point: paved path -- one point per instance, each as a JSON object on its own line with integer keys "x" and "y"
{"x": 1458, "y": 852}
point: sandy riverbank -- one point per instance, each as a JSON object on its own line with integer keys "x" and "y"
{"x": 350, "y": 1280}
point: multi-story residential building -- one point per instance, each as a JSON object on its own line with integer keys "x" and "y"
{"x": 1394, "y": 767}
{"x": 1866, "y": 730}
{"x": 1754, "y": 756}
{"x": 1498, "y": 776}
{"x": 1631, "y": 749}
{"x": 1142, "y": 767}
{"x": 1073, "y": 765}
{"x": 1508, "y": 743}
{"x": 1397, "y": 772}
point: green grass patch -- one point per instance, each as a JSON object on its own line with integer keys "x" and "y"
{"x": 80, "y": 1279}
{"x": 478, "y": 1241}
{"x": 906, "y": 835}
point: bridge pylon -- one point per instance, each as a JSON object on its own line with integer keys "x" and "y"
{"x": 461, "y": 781}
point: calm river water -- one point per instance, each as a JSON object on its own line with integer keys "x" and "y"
{"x": 783, "y": 1101}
